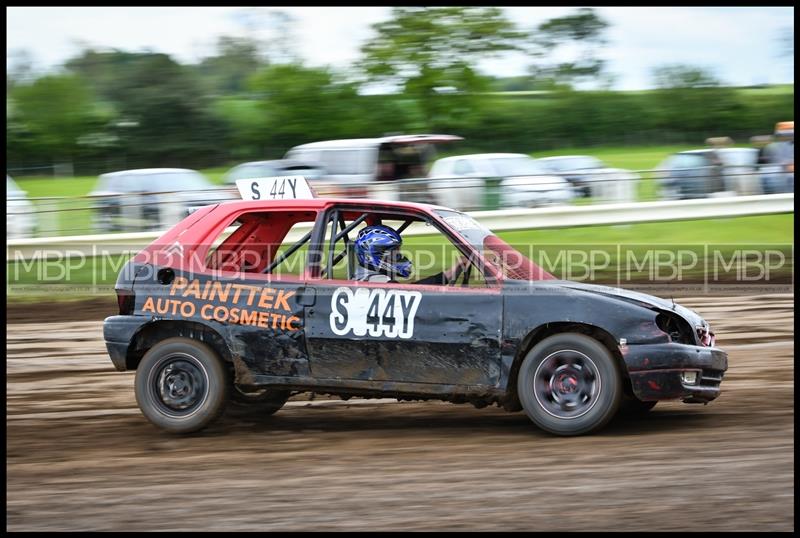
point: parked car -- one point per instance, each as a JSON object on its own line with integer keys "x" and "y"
{"x": 592, "y": 177}
{"x": 278, "y": 167}
{"x": 704, "y": 172}
{"x": 20, "y": 221}
{"x": 362, "y": 167}
{"x": 151, "y": 198}
{"x": 466, "y": 182}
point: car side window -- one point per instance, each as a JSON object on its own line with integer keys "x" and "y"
{"x": 435, "y": 259}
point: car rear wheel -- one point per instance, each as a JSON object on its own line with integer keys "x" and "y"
{"x": 569, "y": 384}
{"x": 181, "y": 385}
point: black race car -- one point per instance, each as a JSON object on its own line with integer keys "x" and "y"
{"x": 253, "y": 301}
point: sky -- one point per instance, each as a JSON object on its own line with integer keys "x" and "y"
{"x": 742, "y": 46}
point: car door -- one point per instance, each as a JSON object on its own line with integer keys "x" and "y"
{"x": 407, "y": 333}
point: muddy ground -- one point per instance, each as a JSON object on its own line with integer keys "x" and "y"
{"x": 80, "y": 456}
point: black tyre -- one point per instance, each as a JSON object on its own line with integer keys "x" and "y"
{"x": 265, "y": 401}
{"x": 181, "y": 385}
{"x": 569, "y": 384}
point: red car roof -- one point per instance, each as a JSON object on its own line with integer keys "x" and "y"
{"x": 319, "y": 203}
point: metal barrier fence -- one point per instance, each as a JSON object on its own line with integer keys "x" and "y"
{"x": 153, "y": 211}
{"x": 500, "y": 220}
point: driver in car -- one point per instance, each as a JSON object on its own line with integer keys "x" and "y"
{"x": 378, "y": 253}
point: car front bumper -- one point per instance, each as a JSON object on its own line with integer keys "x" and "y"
{"x": 658, "y": 371}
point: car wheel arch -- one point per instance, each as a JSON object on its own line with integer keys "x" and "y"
{"x": 156, "y": 331}
{"x": 538, "y": 334}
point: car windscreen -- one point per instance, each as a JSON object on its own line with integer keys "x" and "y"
{"x": 511, "y": 262}
{"x": 516, "y": 166}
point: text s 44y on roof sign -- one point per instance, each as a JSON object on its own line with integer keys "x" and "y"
{"x": 275, "y": 188}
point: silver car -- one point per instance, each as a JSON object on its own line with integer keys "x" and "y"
{"x": 151, "y": 198}
{"x": 20, "y": 220}
{"x": 490, "y": 180}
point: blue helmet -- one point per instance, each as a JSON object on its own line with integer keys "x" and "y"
{"x": 378, "y": 249}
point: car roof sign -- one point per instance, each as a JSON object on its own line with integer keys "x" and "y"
{"x": 275, "y": 188}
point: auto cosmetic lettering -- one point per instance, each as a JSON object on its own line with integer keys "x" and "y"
{"x": 231, "y": 303}
{"x": 374, "y": 312}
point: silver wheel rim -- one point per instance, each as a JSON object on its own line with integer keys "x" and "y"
{"x": 567, "y": 384}
{"x": 179, "y": 385}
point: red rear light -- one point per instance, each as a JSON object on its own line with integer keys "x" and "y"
{"x": 125, "y": 301}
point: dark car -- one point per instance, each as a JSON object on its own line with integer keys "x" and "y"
{"x": 257, "y": 300}
{"x": 703, "y": 172}
{"x": 592, "y": 177}
{"x": 273, "y": 168}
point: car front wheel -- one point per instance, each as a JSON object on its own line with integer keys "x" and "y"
{"x": 181, "y": 385}
{"x": 569, "y": 384}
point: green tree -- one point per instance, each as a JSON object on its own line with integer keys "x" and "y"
{"x": 584, "y": 28}
{"x": 430, "y": 51}
{"x": 171, "y": 120}
{"x": 51, "y": 116}
{"x": 21, "y": 68}
{"x": 690, "y": 99}
{"x": 104, "y": 70}
{"x": 236, "y": 59}
{"x": 673, "y": 76}
{"x": 299, "y": 104}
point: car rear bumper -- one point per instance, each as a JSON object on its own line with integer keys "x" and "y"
{"x": 657, "y": 371}
{"x": 118, "y": 332}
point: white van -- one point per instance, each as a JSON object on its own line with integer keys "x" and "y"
{"x": 366, "y": 167}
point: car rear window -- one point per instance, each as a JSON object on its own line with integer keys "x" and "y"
{"x": 256, "y": 239}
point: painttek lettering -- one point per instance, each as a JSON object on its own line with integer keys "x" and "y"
{"x": 374, "y": 312}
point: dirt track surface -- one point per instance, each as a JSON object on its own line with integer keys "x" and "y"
{"x": 82, "y": 457}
